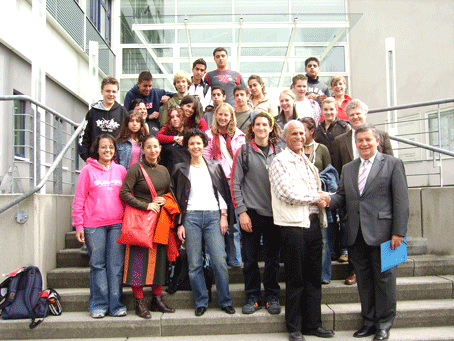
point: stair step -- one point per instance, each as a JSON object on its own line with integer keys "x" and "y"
{"x": 415, "y": 245}
{"x": 408, "y": 288}
{"x": 75, "y": 276}
{"x": 397, "y": 334}
{"x": 70, "y": 240}
{"x": 340, "y": 317}
{"x": 410, "y": 314}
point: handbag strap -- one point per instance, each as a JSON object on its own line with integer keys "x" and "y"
{"x": 149, "y": 183}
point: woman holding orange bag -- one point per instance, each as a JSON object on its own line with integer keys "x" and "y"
{"x": 147, "y": 266}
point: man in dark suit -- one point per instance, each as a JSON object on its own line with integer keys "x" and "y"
{"x": 374, "y": 189}
{"x": 346, "y": 152}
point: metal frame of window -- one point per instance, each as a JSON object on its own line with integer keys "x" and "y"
{"x": 95, "y": 17}
{"x": 19, "y": 127}
{"x": 237, "y": 44}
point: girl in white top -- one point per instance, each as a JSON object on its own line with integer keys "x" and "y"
{"x": 259, "y": 99}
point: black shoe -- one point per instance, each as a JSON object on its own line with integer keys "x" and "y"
{"x": 296, "y": 336}
{"x": 272, "y": 305}
{"x": 320, "y": 332}
{"x": 365, "y": 331}
{"x": 252, "y": 305}
{"x": 200, "y": 311}
{"x": 381, "y": 334}
{"x": 229, "y": 309}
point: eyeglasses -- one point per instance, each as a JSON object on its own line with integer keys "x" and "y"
{"x": 107, "y": 147}
{"x": 174, "y": 107}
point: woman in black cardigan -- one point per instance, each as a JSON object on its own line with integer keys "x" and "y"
{"x": 202, "y": 192}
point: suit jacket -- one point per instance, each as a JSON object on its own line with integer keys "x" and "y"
{"x": 181, "y": 187}
{"x": 382, "y": 210}
{"x": 344, "y": 148}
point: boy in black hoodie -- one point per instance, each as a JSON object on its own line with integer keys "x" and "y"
{"x": 104, "y": 116}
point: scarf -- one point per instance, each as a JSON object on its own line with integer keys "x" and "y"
{"x": 216, "y": 151}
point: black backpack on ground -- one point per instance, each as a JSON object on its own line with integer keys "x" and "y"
{"x": 179, "y": 274}
{"x": 22, "y": 296}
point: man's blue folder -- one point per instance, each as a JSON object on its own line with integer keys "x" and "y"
{"x": 391, "y": 258}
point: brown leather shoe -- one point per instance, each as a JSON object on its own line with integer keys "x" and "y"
{"x": 350, "y": 280}
{"x": 157, "y": 304}
{"x": 141, "y": 308}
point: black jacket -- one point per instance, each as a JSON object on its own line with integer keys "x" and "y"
{"x": 326, "y": 137}
{"x": 181, "y": 186}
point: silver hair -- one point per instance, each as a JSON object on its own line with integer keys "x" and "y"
{"x": 356, "y": 103}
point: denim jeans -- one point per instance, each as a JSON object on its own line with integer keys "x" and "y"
{"x": 234, "y": 260}
{"x": 326, "y": 257}
{"x": 106, "y": 269}
{"x": 261, "y": 226}
{"x": 343, "y": 232}
{"x": 206, "y": 225}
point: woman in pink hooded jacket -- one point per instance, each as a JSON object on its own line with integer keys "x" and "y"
{"x": 97, "y": 216}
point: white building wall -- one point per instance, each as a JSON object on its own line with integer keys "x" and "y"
{"x": 424, "y": 60}
{"x": 424, "y": 47}
{"x": 66, "y": 65}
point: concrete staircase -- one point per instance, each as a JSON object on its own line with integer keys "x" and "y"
{"x": 425, "y": 308}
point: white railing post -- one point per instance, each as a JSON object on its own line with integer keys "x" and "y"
{"x": 93, "y": 56}
{"x": 38, "y": 86}
{"x": 391, "y": 89}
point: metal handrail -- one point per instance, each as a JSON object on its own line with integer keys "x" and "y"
{"x": 422, "y": 145}
{"x": 58, "y": 159}
{"x": 414, "y": 105}
{"x": 28, "y": 98}
{"x": 438, "y": 150}
{"x": 48, "y": 174}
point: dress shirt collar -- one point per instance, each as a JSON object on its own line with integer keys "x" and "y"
{"x": 371, "y": 159}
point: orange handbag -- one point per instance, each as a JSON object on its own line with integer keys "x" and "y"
{"x": 139, "y": 225}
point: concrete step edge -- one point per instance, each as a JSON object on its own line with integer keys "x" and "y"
{"x": 183, "y": 322}
{"x": 397, "y": 334}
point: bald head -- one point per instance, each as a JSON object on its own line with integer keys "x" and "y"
{"x": 294, "y": 136}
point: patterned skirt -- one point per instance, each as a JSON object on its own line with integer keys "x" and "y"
{"x": 145, "y": 266}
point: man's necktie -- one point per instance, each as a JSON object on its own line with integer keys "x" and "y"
{"x": 362, "y": 177}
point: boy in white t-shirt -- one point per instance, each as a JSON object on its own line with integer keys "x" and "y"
{"x": 305, "y": 107}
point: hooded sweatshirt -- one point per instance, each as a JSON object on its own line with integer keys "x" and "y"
{"x": 99, "y": 121}
{"x": 152, "y": 102}
{"x": 97, "y": 200}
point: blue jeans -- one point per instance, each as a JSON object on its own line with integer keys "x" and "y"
{"x": 343, "y": 232}
{"x": 206, "y": 225}
{"x": 234, "y": 260}
{"x": 326, "y": 257}
{"x": 106, "y": 269}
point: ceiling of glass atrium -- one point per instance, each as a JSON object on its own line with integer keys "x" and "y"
{"x": 272, "y": 38}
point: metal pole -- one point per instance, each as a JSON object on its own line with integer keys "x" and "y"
{"x": 439, "y": 145}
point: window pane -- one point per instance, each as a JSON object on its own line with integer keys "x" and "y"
{"x": 138, "y": 60}
{"x": 19, "y": 128}
{"x": 334, "y": 61}
{"x": 446, "y": 132}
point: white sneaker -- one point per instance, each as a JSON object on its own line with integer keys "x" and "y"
{"x": 98, "y": 315}
{"x": 121, "y": 314}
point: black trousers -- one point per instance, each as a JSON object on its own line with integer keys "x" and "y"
{"x": 302, "y": 253}
{"x": 377, "y": 290}
{"x": 261, "y": 226}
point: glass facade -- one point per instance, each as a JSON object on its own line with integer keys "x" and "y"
{"x": 269, "y": 38}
